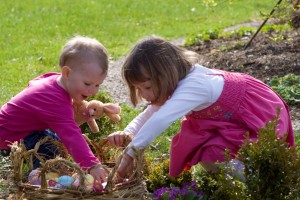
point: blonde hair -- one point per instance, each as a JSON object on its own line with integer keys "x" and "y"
{"x": 80, "y": 47}
{"x": 160, "y": 62}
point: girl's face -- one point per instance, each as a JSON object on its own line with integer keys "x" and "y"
{"x": 83, "y": 81}
{"x": 146, "y": 91}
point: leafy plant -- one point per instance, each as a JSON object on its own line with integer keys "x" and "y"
{"x": 202, "y": 37}
{"x": 287, "y": 87}
{"x": 221, "y": 185}
{"x": 157, "y": 175}
{"x": 272, "y": 168}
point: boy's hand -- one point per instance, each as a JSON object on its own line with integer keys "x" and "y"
{"x": 119, "y": 138}
{"x": 99, "y": 173}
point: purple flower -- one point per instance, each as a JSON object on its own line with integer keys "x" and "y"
{"x": 160, "y": 192}
{"x": 172, "y": 193}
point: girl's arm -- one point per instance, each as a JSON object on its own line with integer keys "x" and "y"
{"x": 197, "y": 91}
{"x": 118, "y": 138}
{"x": 136, "y": 124}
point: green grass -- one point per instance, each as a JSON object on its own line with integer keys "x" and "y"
{"x": 33, "y": 32}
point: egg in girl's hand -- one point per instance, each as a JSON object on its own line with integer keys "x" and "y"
{"x": 34, "y": 177}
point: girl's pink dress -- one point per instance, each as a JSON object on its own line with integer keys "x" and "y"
{"x": 245, "y": 105}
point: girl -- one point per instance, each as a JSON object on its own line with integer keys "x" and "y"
{"x": 219, "y": 107}
{"x": 47, "y": 103}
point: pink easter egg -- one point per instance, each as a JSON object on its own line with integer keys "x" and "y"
{"x": 34, "y": 177}
{"x": 52, "y": 183}
{"x": 76, "y": 182}
{"x": 98, "y": 187}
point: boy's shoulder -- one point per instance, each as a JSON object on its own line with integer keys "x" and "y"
{"x": 47, "y": 75}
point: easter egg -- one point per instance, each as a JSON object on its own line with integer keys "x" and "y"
{"x": 88, "y": 179}
{"x": 98, "y": 187}
{"x": 52, "y": 176}
{"x": 52, "y": 183}
{"x": 34, "y": 177}
{"x": 65, "y": 180}
{"x": 76, "y": 182}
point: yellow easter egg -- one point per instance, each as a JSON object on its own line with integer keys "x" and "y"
{"x": 52, "y": 176}
{"x": 89, "y": 179}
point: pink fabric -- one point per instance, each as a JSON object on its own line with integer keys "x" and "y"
{"x": 44, "y": 105}
{"x": 245, "y": 105}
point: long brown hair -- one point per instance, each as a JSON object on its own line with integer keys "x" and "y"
{"x": 160, "y": 62}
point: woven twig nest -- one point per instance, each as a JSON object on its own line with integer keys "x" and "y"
{"x": 133, "y": 188}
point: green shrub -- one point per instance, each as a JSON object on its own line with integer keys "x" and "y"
{"x": 272, "y": 168}
{"x": 272, "y": 171}
{"x": 221, "y": 185}
{"x": 157, "y": 175}
{"x": 287, "y": 87}
{"x": 202, "y": 37}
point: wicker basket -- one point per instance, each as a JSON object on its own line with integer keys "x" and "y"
{"x": 133, "y": 188}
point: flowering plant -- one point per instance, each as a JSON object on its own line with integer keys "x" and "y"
{"x": 188, "y": 191}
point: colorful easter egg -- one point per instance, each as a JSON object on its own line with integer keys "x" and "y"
{"x": 52, "y": 176}
{"x": 76, "y": 182}
{"x": 52, "y": 183}
{"x": 98, "y": 187}
{"x": 65, "y": 180}
{"x": 34, "y": 177}
{"x": 88, "y": 179}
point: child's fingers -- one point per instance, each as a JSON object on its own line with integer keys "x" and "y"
{"x": 99, "y": 174}
{"x": 116, "y": 139}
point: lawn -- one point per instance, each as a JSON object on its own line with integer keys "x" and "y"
{"x": 33, "y": 32}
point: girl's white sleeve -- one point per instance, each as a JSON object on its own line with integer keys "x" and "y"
{"x": 136, "y": 124}
{"x": 191, "y": 93}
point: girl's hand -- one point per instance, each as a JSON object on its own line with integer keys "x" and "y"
{"x": 99, "y": 173}
{"x": 125, "y": 168}
{"x": 119, "y": 138}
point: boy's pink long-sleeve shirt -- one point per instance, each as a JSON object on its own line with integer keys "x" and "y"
{"x": 44, "y": 105}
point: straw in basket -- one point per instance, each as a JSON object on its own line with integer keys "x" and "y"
{"x": 133, "y": 188}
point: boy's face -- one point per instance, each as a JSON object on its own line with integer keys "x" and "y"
{"x": 83, "y": 80}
